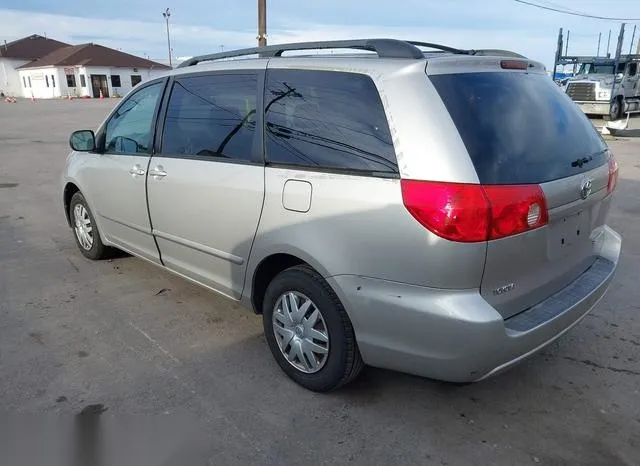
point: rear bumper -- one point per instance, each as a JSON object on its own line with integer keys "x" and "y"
{"x": 456, "y": 335}
{"x": 594, "y": 107}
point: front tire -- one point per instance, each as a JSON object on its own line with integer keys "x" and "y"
{"x": 616, "y": 109}
{"x": 309, "y": 332}
{"x": 85, "y": 229}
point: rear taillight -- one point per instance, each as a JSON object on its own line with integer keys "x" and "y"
{"x": 471, "y": 212}
{"x": 459, "y": 212}
{"x": 613, "y": 174}
{"x": 516, "y": 209}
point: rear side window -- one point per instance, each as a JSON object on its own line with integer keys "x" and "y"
{"x": 212, "y": 116}
{"x": 519, "y": 128}
{"x": 327, "y": 119}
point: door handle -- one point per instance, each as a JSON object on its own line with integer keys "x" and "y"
{"x": 158, "y": 172}
{"x": 137, "y": 170}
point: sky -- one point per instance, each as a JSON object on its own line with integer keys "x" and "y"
{"x": 207, "y": 26}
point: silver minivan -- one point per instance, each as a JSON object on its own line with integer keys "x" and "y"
{"x": 409, "y": 206}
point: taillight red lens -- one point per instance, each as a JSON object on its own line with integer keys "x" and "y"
{"x": 613, "y": 174}
{"x": 473, "y": 213}
{"x": 516, "y": 209}
{"x": 457, "y": 212}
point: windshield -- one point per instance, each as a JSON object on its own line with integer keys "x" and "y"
{"x": 591, "y": 68}
{"x": 519, "y": 127}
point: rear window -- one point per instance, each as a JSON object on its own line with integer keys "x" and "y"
{"x": 519, "y": 128}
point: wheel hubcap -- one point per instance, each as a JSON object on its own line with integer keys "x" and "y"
{"x": 83, "y": 228}
{"x": 301, "y": 332}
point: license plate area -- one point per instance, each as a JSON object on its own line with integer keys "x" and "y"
{"x": 569, "y": 234}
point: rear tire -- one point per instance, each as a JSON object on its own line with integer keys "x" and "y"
{"x": 85, "y": 229}
{"x": 321, "y": 325}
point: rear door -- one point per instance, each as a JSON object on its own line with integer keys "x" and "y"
{"x": 206, "y": 183}
{"x": 520, "y": 129}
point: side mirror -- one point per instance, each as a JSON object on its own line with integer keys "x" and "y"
{"x": 83, "y": 141}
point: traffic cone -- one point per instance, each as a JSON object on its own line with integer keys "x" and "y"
{"x": 101, "y": 96}
{"x": 33, "y": 99}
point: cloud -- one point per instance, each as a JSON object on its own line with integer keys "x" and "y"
{"x": 195, "y": 30}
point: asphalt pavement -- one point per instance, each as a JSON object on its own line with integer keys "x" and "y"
{"x": 127, "y": 340}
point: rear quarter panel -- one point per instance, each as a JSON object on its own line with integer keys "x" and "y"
{"x": 359, "y": 226}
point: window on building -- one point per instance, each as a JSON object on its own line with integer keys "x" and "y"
{"x": 633, "y": 69}
{"x": 71, "y": 80}
{"x": 212, "y": 116}
{"x": 115, "y": 80}
{"x": 24, "y": 81}
{"x": 327, "y": 119}
{"x": 83, "y": 81}
{"x": 29, "y": 78}
{"x": 129, "y": 131}
{"x": 53, "y": 80}
{"x": 46, "y": 79}
{"x": 135, "y": 80}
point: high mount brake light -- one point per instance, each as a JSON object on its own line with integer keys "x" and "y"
{"x": 514, "y": 65}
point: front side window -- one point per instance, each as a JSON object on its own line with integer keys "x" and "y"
{"x": 325, "y": 119}
{"x": 129, "y": 131}
{"x": 212, "y": 116}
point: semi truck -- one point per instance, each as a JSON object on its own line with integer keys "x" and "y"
{"x": 604, "y": 86}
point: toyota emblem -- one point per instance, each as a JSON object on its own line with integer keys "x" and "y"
{"x": 585, "y": 188}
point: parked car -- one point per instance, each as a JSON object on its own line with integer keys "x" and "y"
{"x": 441, "y": 213}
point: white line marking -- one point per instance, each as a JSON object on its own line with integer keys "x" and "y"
{"x": 171, "y": 356}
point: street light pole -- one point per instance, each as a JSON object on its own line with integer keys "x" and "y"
{"x": 262, "y": 23}
{"x": 166, "y": 15}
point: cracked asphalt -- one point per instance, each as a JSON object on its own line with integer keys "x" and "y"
{"x": 122, "y": 340}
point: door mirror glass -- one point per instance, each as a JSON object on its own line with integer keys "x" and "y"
{"x": 83, "y": 141}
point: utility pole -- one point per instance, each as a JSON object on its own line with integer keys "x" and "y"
{"x": 599, "y": 38}
{"x": 633, "y": 39}
{"x": 566, "y": 47}
{"x": 166, "y": 15}
{"x": 262, "y": 23}
{"x": 608, "y": 44}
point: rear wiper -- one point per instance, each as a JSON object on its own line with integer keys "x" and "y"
{"x": 579, "y": 162}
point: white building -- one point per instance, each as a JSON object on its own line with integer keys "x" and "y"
{"x": 86, "y": 70}
{"x": 19, "y": 52}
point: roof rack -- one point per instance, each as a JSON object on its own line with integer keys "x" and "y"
{"x": 444, "y": 48}
{"x": 496, "y": 52}
{"x": 385, "y": 48}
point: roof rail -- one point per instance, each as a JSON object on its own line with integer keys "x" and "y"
{"x": 444, "y": 48}
{"x": 497, "y": 53}
{"x": 385, "y": 48}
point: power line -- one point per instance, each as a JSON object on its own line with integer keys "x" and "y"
{"x": 574, "y": 13}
